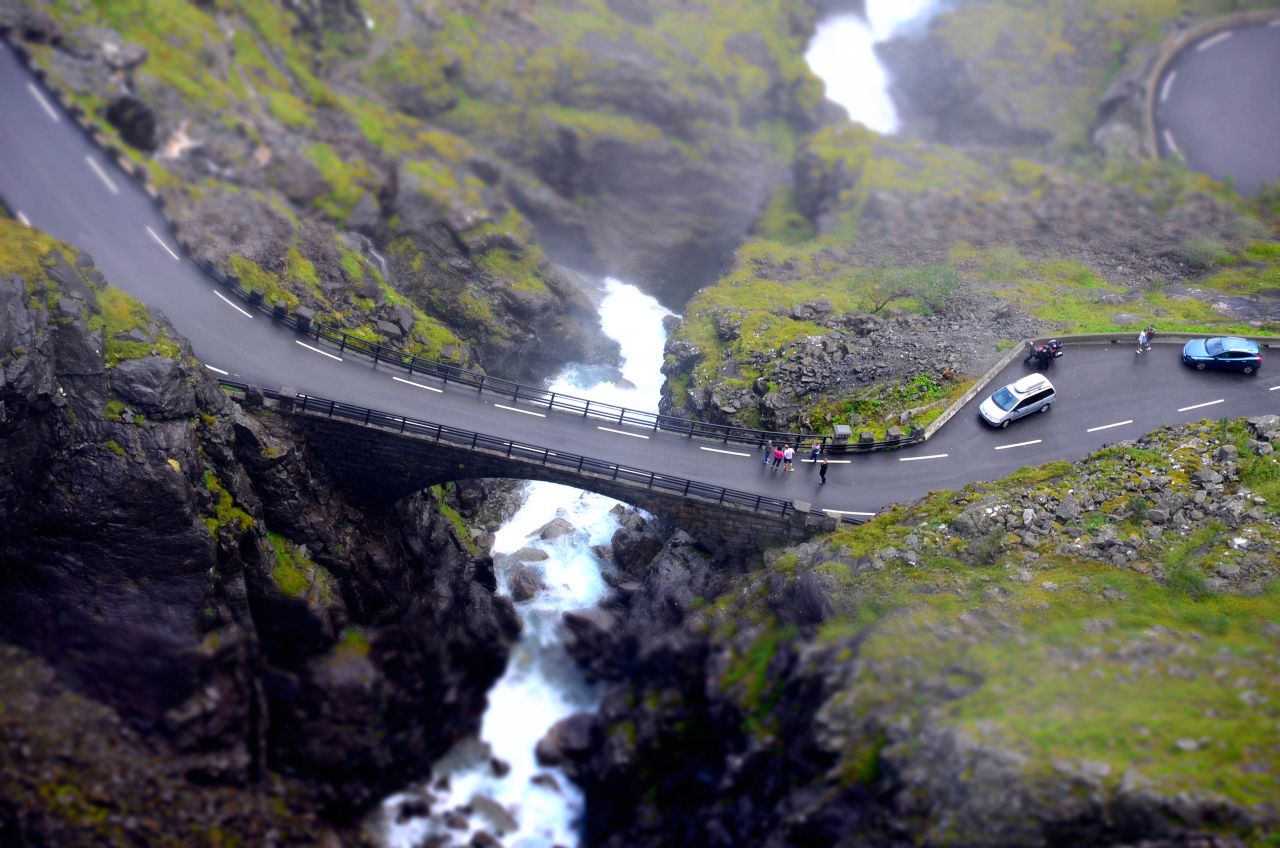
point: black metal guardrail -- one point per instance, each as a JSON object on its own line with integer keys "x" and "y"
{"x": 543, "y": 456}
{"x": 509, "y": 389}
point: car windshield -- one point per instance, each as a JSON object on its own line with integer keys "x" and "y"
{"x": 1004, "y": 399}
{"x": 1213, "y": 347}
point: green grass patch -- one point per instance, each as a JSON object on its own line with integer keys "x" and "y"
{"x": 348, "y": 178}
{"x": 121, "y": 313}
{"x": 227, "y": 517}
{"x": 295, "y": 575}
{"x": 255, "y": 278}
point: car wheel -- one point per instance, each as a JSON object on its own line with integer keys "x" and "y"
{"x": 1248, "y": 369}
{"x": 1045, "y": 408}
{"x": 1004, "y": 423}
{"x": 1199, "y": 366}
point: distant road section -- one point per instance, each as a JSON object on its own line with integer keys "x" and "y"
{"x": 1218, "y": 105}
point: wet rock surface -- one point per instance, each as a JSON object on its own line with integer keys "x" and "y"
{"x": 186, "y": 566}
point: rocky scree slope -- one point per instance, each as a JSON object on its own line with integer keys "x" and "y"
{"x": 186, "y": 568}
{"x": 1077, "y": 654}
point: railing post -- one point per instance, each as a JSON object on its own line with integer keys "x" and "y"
{"x": 480, "y": 387}
{"x": 586, "y": 410}
{"x": 403, "y": 421}
{"x": 723, "y": 492}
{"x": 551, "y": 404}
{"x": 510, "y": 447}
{"x": 581, "y": 460}
{"x": 475, "y": 437}
{"x": 687, "y": 484}
{"x": 367, "y": 412}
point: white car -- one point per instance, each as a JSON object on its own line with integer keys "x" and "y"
{"x": 1033, "y": 393}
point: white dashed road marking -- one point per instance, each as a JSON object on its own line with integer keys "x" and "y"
{"x": 316, "y": 349}
{"x": 521, "y": 411}
{"x": 1168, "y": 84}
{"x": 730, "y": 453}
{"x": 1273, "y": 388}
{"x": 918, "y": 458}
{"x": 160, "y": 242}
{"x": 26, "y": 222}
{"x": 1217, "y": 39}
{"x": 215, "y": 370}
{"x": 418, "y": 385}
{"x": 832, "y": 461}
{"x": 1109, "y": 426}
{"x": 1170, "y": 143}
{"x": 1019, "y": 444}
{"x": 847, "y": 512}
{"x": 622, "y": 433}
{"x": 241, "y": 311}
{"x": 102, "y": 175}
{"x": 1201, "y": 405}
{"x": 44, "y": 104}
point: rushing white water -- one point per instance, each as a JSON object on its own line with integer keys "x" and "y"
{"x": 541, "y": 684}
{"x": 843, "y": 54}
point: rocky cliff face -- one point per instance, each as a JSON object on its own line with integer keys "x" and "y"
{"x": 185, "y": 564}
{"x": 1078, "y": 655}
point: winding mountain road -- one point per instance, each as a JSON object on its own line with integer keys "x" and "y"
{"x": 52, "y": 177}
{"x": 1218, "y": 105}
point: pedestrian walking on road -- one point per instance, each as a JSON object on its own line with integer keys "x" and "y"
{"x": 787, "y": 456}
{"x": 778, "y": 454}
{"x": 1144, "y": 342}
{"x": 822, "y": 472}
{"x": 814, "y": 453}
{"x": 766, "y": 453}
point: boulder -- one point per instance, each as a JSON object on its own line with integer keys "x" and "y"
{"x": 527, "y": 554}
{"x": 569, "y": 739}
{"x": 156, "y": 385}
{"x": 135, "y": 121}
{"x": 555, "y": 528}
{"x": 634, "y": 549}
{"x": 525, "y": 583}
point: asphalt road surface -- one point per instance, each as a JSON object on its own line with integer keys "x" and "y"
{"x": 52, "y": 177}
{"x": 1218, "y": 106}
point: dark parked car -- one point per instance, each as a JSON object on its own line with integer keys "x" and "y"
{"x": 1225, "y": 353}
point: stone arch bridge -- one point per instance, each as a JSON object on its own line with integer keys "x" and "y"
{"x": 379, "y": 458}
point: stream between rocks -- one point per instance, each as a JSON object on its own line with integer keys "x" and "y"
{"x": 492, "y": 791}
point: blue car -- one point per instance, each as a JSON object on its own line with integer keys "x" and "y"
{"x": 1225, "y": 353}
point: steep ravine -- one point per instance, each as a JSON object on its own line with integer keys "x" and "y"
{"x": 553, "y": 557}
